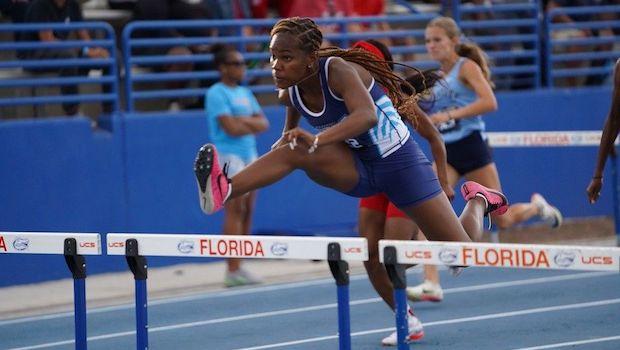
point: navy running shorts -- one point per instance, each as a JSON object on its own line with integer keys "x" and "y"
{"x": 405, "y": 176}
{"x": 469, "y": 153}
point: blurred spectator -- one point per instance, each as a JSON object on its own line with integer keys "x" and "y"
{"x": 579, "y": 33}
{"x": 173, "y": 10}
{"x": 234, "y": 118}
{"x": 377, "y": 8}
{"x": 371, "y": 8}
{"x": 61, "y": 11}
{"x": 14, "y": 9}
{"x": 324, "y": 9}
{"x": 233, "y": 9}
{"x": 260, "y": 8}
{"x": 122, "y": 4}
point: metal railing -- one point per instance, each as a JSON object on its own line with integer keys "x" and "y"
{"x": 510, "y": 36}
{"x": 24, "y": 71}
{"x": 583, "y": 49}
{"x": 138, "y": 51}
{"x": 526, "y": 52}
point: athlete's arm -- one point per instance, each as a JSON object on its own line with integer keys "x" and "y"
{"x": 426, "y": 128}
{"x": 610, "y": 132}
{"x": 345, "y": 81}
{"x": 471, "y": 75}
{"x": 292, "y": 117}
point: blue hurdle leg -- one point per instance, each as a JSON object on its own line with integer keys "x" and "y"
{"x": 142, "y": 326}
{"x": 340, "y": 271}
{"x": 402, "y": 328}
{"x": 79, "y": 305}
{"x": 77, "y": 266}
{"x": 396, "y": 272}
{"x": 344, "y": 322}
{"x": 138, "y": 266}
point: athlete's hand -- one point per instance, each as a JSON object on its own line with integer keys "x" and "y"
{"x": 449, "y": 191}
{"x": 440, "y": 118}
{"x": 594, "y": 189}
{"x": 298, "y": 136}
{"x": 280, "y": 142}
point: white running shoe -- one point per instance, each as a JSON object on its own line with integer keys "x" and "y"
{"x": 239, "y": 278}
{"x": 416, "y": 332}
{"x": 426, "y": 291}
{"x": 548, "y": 213}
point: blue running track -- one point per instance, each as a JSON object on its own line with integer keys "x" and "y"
{"x": 482, "y": 309}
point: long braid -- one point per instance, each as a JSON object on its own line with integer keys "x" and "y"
{"x": 310, "y": 38}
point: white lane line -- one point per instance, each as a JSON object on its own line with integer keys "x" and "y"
{"x": 576, "y": 342}
{"x": 451, "y": 321}
{"x": 320, "y": 307}
{"x": 201, "y": 296}
{"x": 279, "y": 287}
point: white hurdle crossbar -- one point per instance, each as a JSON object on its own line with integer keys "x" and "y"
{"x": 529, "y": 256}
{"x": 73, "y": 246}
{"x": 396, "y": 255}
{"x": 336, "y": 250}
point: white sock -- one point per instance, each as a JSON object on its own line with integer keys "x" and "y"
{"x": 229, "y": 191}
{"x": 486, "y": 202}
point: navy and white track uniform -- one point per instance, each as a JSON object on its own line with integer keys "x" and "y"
{"x": 387, "y": 159}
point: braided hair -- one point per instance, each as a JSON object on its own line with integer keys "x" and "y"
{"x": 309, "y": 39}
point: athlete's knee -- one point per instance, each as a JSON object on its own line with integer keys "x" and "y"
{"x": 297, "y": 156}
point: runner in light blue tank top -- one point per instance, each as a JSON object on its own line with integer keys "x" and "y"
{"x": 451, "y": 94}
{"x": 456, "y": 108}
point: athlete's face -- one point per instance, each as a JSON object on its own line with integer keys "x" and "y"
{"x": 438, "y": 44}
{"x": 289, "y": 63}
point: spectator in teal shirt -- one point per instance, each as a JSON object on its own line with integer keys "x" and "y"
{"x": 234, "y": 117}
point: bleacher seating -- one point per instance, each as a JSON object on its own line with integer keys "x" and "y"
{"x": 518, "y": 38}
{"x": 22, "y": 78}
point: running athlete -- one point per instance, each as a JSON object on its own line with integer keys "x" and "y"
{"x": 456, "y": 105}
{"x": 378, "y": 217}
{"x": 610, "y": 132}
{"x": 362, "y": 146}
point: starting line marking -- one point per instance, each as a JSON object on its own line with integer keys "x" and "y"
{"x": 529, "y": 256}
{"x": 268, "y": 247}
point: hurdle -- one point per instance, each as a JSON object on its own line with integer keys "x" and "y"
{"x": 396, "y": 255}
{"x": 73, "y": 246}
{"x": 337, "y": 251}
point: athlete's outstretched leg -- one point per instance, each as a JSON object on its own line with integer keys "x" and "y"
{"x": 331, "y": 166}
{"x": 436, "y": 218}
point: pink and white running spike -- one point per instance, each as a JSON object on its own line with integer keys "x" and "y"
{"x": 213, "y": 184}
{"x": 497, "y": 203}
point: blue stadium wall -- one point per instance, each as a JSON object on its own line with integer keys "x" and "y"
{"x": 60, "y": 175}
